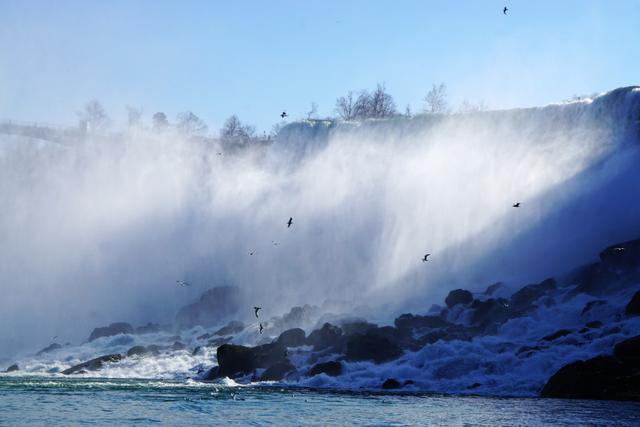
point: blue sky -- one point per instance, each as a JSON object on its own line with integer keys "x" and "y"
{"x": 257, "y": 58}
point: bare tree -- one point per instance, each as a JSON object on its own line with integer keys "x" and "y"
{"x": 234, "y": 130}
{"x": 94, "y": 116}
{"x": 436, "y": 99}
{"x": 313, "y": 111}
{"x": 345, "y": 107}
{"x": 160, "y": 121}
{"x": 362, "y": 107}
{"x": 382, "y": 104}
{"x": 190, "y": 124}
{"x": 134, "y": 116}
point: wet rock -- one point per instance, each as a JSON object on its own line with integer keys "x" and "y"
{"x": 410, "y": 322}
{"x": 591, "y": 305}
{"x": 474, "y": 386}
{"x": 112, "y": 329}
{"x": 235, "y": 360}
{"x": 93, "y": 364}
{"x": 596, "y": 324}
{"x": 596, "y": 279}
{"x": 153, "y": 349}
{"x": 628, "y": 352}
{"x": 138, "y": 350}
{"x": 557, "y": 334}
{"x": 458, "y": 296}
{"x": 231, "y": 328}
{"x": 268, "y": 354}
{"x": 357, "y": 327}
{"x": 449, "y": 333}
{"x": 603, "y": 377}
{"x": 390, "y": 384}
{"x": 277, "y": 372}
{"x": 409, "y": 382}
{"x": 214, "y": 306}
{"x": 49, "y": 349}
{"x": 525, "y": 297}
{"x": 12, "y": 368}
{"x": 622, "y": 256}
{"x": 292, "y": 337}
{"x": 204, "y": 336}
{"x": 491, "y": 312}
{"x": 199, "y": 350}
{"x": 527, "y": 350}
{"x": 212, "y": 374}
{"x": 333, "y": 369}
{"x": 633, "y": 308}
{"x": 371, "y": 347}
{"x": 329, "y": 336}
{"x": 178, "y": 345}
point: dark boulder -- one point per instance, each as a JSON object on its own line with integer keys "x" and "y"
{"x": 12, "y": 368}
{"x": 525, "y": 297}
{"x": 594, "y": 325}
{"x": 112, "y": 329}
{"x": 603, "y": 377}
{"x": 633, "y": 308}
{"x": 93, "y": 364}
{"x": 138, "y": 350}
{"x": 357, "y": 327}
{"x": 557, "y": 334}
{"x": 49, "y": 349}
{"x": 268, "y": 354}
{"x": 591, "y": 305}
{"x": 235, "y": 360}
{"x": 214, "y": 306}
{"x": 277, "y": 371}
{"x": 292, "y": 337}
{"x": 153, "y": 349}
{"x": 628, "y": 352}
{"x": 231, "y": 328}
{"x": 449, "y": 333}
{"x": 491, "y": 312}
{"x": 329, "y": 336}
{"x": 371, "y": 347}
{"x": 390, "y": 384}
{"x": 333, "y": 369}
{"x": 596, "y": 279}
{"x": 410, "y": 322}
{"x": 458, "y": 296}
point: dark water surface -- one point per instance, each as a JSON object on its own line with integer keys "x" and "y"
{"x": 79, "y": 401}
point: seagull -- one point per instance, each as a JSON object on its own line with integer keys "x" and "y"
{"x": 284, "y": 114}
{"x": 261, "y": 328}
{"x": 255, "y": 310}
{"x": 516, "y": 205}
{"x": 251, "y": 253}
{"x": 290, "y": 222}
{"x": 182, "y": 283}
{"x": 274, "y": 243}
{"x": 618, "y": 249}
{"x": 505, "y": 10}
{"x": 54, "y": 338}
{"x": 219, "y": 154}
{"x": 425, "y": 258}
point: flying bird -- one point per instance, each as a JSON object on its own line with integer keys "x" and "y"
{"x": 425, "y": 258}
{"x": 256, "y": 310}
{"x": 274, "y": 243}
{"x": 54, "y": 338}
{"x": 261, "y": 328}
{"x": 618, "y": 249}
{"x": 505, "y": 10}
{"x": 182, "y": 283}
{"x": 251, "y": 253}
{"x": 516, "y": 205}
{"x": 219, "y": 154}
{"x": 290, "y": 222}
{"x": 284, "y": 114}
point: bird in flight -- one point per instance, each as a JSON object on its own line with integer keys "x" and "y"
{"x": 425, "y": 258}
{"x": 261, "y": 328}
{"x": 274, "y": 243}
{"x": 290, "y": 222}
{"x": 516, "y": 205}
{"x": 256, "y": 310}
{"x": 505, "y": 10}
{"x": 251, "y": 253}
{"x": 284, "y": 114}
{"x": 54, "y": 338}
{"x": 219, "y": 154}
{"x": 618, "y": 249}
{"x": 182, "y": 283}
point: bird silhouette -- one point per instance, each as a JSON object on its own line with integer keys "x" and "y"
{"x": 516, "y": 205}
{"x": 182, "y": 283}
{"x": 251, "y": 253}
{"x": 219, "y": 154}
{"x": 261, "y": 328}
{"x": 284, "y": 114}
{"x": 618, "y": 249}
{"x": 290, "y": 222}
{"x": 425, "y": 258}
{"x": 505, "y": 10}
{"x": 256, "y": 310}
